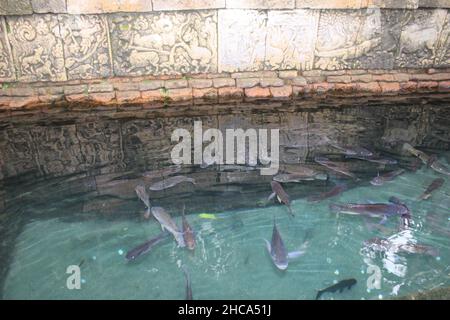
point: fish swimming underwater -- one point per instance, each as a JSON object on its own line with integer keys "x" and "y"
{"x": 340, "y": 286}
{"x": 430, "y": 161}
{"x": 146, "y": 246}
{"x": 162, "y": 172}
{"x": 336, "y": 190}
{"x": 281, "y": 195}
{"x": 436, "y": 184}
{"x": 168, "y": 224}
{"x": 143, "y": 195}
{"x": 352, "y": 150}
{"x": 374, "y": 159}
{"x": 389, "y": 176}
{"x": 188, "y": 233}
{"x": 334, "y": 167}
{"x": 294, "y": 177}
{"x": 373, "y": 209}
{"x": 277, "y": 250}
{"x": 170, "y": 182}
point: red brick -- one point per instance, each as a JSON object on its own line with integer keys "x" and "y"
{"x": 76, "y": 97}
{"x": 23, "y": 102}
{"x": 151, "y": 95}
{"x": 281, "y": 92}
{"x": 383, "y": 77}
{"x": 102, "y": 97}
{"x": 180, "y": 95}
{"x": 427, "y": 85}
{"x": 444, "y": 86}
{"x": 257, "y": 93}
{"x": 322, "y": 87}
{"x": 50, "y": 98}
{"x": 230, "y": 93}
{"x": 373, "y": 87}
{"x": 206, "y": 95}
{"x": 410, "y": 86}
{"x": 345, "y": 87}
{"x": 389, "y": 87}
{"x": 128, "y": 96}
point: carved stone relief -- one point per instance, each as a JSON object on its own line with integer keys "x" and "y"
{"x": 164, "y": 43}
{"x": 291, "y": 37}
{"x": 337, "y": 40}
{"x": 6, "y": 66}
{"x": 242, "y": 40}
{"x": 443, "y": 46}
{"x": 419, "y": 38}
{"x": 86, "y": 48}
{"x": 37, "y": 47}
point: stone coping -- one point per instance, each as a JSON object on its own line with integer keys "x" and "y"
{"x": 224, "y": 87}
{"x": 23, "y": 7}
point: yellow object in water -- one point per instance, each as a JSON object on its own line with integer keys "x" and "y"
{"x": 207, "y": 216}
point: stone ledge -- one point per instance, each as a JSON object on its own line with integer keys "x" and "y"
{"x": 156, "y": 93}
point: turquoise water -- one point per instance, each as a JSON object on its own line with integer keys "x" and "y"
{"x": 67, "y": 197}
{"x": 230, "y": 260}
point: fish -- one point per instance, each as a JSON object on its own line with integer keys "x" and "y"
{"x": 340, "y": 286}
{"x": 188, "y": 233}
{"x": 168, "y": 224}
{"x": 373, "y": 209}
{"x": 188, "y": 283}
{"x": 295, "y": 177}
{"x": 374, "y": 159}
{"x": 207, "y": 216}
{"x": 142, "y": 249}
{"x": 334, "y": 167}
{"x": 162, "y": 172}
{"x": 389, "y": 176}
{"x": 430, "y": 161}
{"x": 281, "y": 195}
{"x": 384, "y": 245}
{"x": 352, "y": 151}
{"x": 143, "y": 195}
{"x": 170, "y": 182}
{"x": 436, "y": 184}
{"x": 336, "y": 190}
{"x": 277, "y": 250}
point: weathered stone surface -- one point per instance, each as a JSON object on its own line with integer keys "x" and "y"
{"x": 329, "y": 4}
{"x": 99, "y": 6}
{"x": 151, "y": 85}
{"x": 200, "y": 83}
{"x": 288, "y": 74}
{"x": 299, "y": 81}
{"x": 76, "y": 89}
{"x": 168, "y": 43}
{"x": 291, "y": 37}
{"x": 15, "y": 7}
{"x": 419, "y": 38}
{"x": 394, "y": 4}
{"x": 86, "y": 48}
{"x": 163, "y": 5}
{"x": 49, "y": 6}
{"x": 434, "y": 4}
{"x": 176, "y": 83}
{"x": 443, "y": 45}
{"x": 261, "y": 4}
{"x": 271, "y": 82}
{"x": 223, "y": 82}
{"x": 242, "y": 35}
{"x": 337, "y": 38}
{"x": 7, "y": 72}
{"x": 257, "y": 93}
{"x": 37, "y": 47}
{"x": 128, "y": 96}
{"x": 101, "y": 87}
{"x": 257, "y": 74}
{"x": 281, "y": 92}
{"x": 230, "y": 93}
{"x": 247, "y": 82}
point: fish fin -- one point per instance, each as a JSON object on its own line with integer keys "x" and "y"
{"x": 268, "y": 246}
{"x": 290, "y": 211}
{"x": 272, "y": 195}
{"x": 341, "y": 289}
{"x": 295, "y": 254}
{"x": 424, "y": 196}
{"x": 383, "y": 220}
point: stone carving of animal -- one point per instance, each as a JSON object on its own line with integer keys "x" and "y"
{"x": 45, "y": 70}
{"x": 142, "y": 59}
{"x": 29, "y": 61}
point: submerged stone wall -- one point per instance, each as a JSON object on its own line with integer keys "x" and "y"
{"x": 65, "y": 42}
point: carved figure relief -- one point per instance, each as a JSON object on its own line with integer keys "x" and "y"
{"x": 443, "y": 46}
{"x": 37, "y": 48}
{"x": 6, "y": 65}
{"x": 164, "y": 43}
{"x": 86, "y": 48}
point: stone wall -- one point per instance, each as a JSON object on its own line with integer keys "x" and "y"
{"x": 75, "y": 41}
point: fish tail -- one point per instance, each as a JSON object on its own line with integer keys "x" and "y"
{"x": 180, "y": 239}
{"x": 290, "y": 211}
{"x": 319, "y": 294}
{"x": 425, "y": 196}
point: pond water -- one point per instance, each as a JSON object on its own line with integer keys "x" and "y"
{"x": 67, "y": 197}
